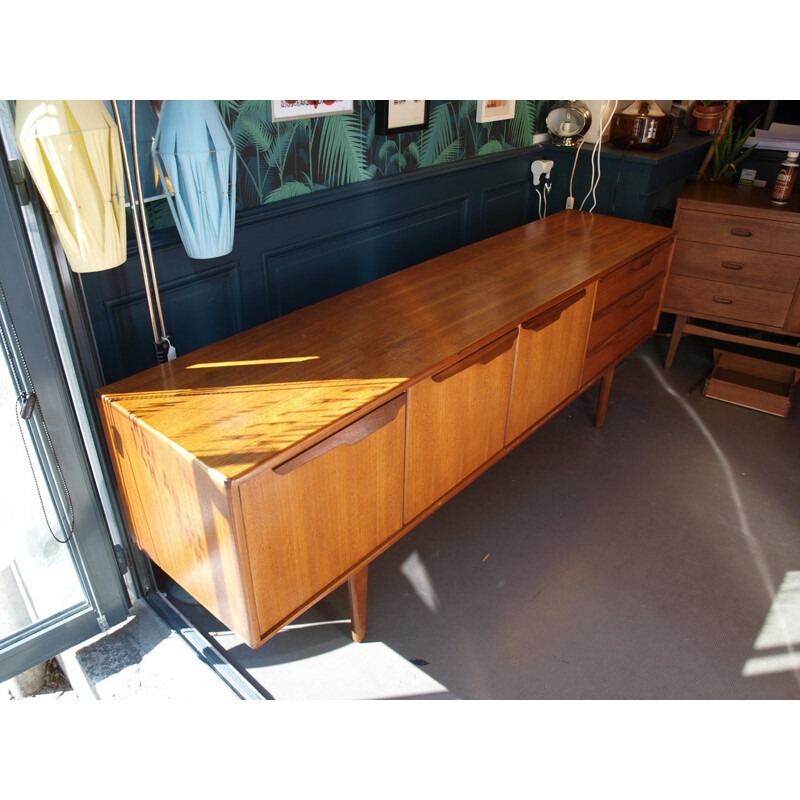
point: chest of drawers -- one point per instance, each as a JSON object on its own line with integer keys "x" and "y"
{"x": 736, "y": 262}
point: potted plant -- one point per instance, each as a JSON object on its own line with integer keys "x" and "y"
{"x": 706, "y": 117}
{"x": 728, "y": 149}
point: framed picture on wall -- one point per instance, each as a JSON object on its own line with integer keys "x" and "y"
{"x": 285, "y": 110}
{"x": 493, "y": 110}
{"x": 399, "y": 116}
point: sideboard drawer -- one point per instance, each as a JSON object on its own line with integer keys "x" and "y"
{"x": 773, "y": 271}
{"x": 727, "y": 301}
{"x": 612, "y": 319}
{"x": 750, "y": 233}
{"x": 629, "y": 276}
{"x": 457, "y": 422}
{"x": 549, "y": 360}
{"x": 311, "y": 518}
{"x": 600, "y": 358}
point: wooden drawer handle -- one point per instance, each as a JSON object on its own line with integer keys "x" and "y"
{"x": 741, "y": 232}
{"x": 643, "y": 264}
{"x": 547, "y": 318}
{"x": 637, "y": 298}
{"x": 352, "y": 434}
{"x": 732, "y": 265}
{"x": 725, "y": 300}
{"x": 482, "y": 356}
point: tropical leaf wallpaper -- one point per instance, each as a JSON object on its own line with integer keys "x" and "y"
{"x": 285, "y": 159}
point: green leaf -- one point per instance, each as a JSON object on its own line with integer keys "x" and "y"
{"x": 523, "y": 126}
{"x": 439, "y": 137}
{"x": 493, "y": 146}
{"x": 287, "y": 191}
{"x": 342, "y": 150}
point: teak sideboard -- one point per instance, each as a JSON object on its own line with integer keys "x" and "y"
{"x": 265, "y": 470}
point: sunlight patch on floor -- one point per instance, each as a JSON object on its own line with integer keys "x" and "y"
{"x": 781, "y": 629}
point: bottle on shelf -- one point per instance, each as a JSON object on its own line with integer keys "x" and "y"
{"x": 784, "y": 183}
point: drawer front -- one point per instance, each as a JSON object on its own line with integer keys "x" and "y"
{"x": 311, "y": 519}
{"x": 630, "y": 276}
{"x": 727, "y": 301}
{"x": 773, "y": 271}
{"x": 457, "y": 422}
{"x": 600, "y": 358}
{"x": 549, "y": 360}
{"x": 615, "y": 317}
{"x": 767, "y": 235}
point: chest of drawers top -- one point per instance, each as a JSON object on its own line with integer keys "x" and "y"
{"x": 745, "y": 201}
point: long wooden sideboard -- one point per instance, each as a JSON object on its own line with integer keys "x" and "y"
{"x": 267, "y": 469}
{"x": 737, "y": 262}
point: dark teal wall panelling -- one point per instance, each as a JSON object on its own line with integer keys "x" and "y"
{"x": 296, "y": 252}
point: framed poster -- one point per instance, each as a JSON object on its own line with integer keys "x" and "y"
{"x": 493, "y": 110}
{"x": 399, "y": 116}
{"x": 284, "y": 110}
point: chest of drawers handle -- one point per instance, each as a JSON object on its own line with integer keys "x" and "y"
{"x": 732, "y": 265}
{"x": 724, "y": 300}
{"x": 741, "y": 232}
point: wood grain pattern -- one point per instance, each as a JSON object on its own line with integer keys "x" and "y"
{"x": 181, "y": 516}
{"x": 456, "y": 425}
{"x": 306, "y": 528}
{"x": 549, "y": 361}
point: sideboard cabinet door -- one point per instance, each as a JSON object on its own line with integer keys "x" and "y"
{"x": 549, "y": 360}
{"x": 310, "y": 520}
{"x": 457, "y": 422}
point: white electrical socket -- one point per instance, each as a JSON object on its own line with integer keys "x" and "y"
{"x": 539, "y": 168}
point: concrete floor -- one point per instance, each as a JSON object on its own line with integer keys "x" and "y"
{"x": 657, "y": 558}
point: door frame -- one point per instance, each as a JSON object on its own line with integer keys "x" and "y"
{"x": 56, "y": 360}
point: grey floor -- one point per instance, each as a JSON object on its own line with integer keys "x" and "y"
{"x": 657, "y": 558}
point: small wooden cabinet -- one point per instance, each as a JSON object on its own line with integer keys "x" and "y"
{"x": 265, "y": 470}
{"x": 736, "y": 262}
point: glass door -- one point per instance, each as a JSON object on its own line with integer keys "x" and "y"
{"x": 60, "y": 582}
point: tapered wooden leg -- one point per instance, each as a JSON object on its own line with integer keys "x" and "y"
{"x": 675, "y": 340}
{"x": 357, "y": 593}
{"x": 602, "y": 400}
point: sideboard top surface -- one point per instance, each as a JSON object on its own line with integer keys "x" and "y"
{"x": 262, "y": 395}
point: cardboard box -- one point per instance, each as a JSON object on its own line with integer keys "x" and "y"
{"x": 752, "y": 383}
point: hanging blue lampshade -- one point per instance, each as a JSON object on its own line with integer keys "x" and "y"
{"x": 196, "y": 162}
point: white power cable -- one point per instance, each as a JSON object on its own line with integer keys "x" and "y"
{"x": 596, "y": 152}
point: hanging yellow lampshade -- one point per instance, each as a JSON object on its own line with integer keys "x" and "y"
{"x": 72, "y": 150}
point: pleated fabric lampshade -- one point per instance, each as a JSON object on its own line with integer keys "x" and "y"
{"x": 72, "y": 151}
{"x": 195, "y": 157}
